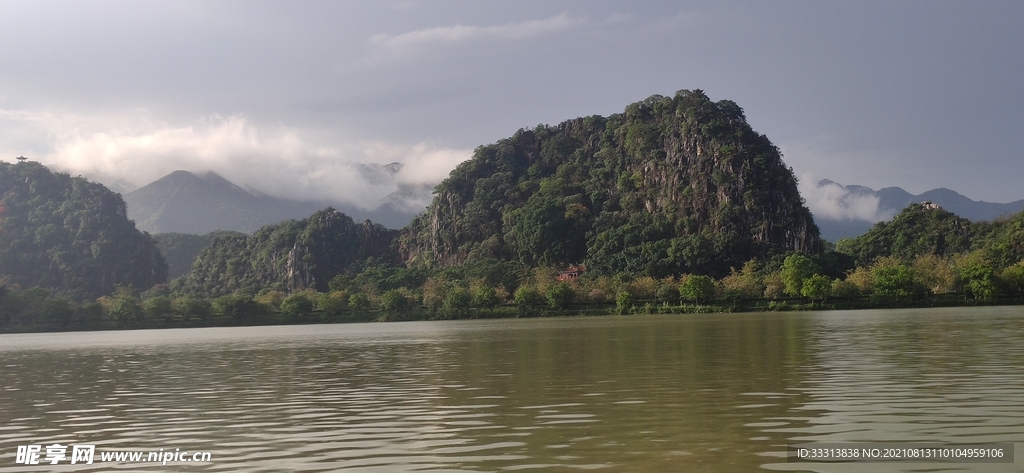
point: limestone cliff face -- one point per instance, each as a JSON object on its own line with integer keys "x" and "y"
{"x": 291, "y": 255}
{"x": 672, "y": 185}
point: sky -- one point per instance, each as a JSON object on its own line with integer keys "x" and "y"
{"x": 290, "y": 98}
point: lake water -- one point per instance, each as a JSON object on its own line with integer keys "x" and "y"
{"x": 718, "y": 392}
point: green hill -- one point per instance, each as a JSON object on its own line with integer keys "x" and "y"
{"x": 919, "y": 229}
{"x": 672, "y": 185}
{"x": 70, "y": 236}
{"x": 289, "y": 256}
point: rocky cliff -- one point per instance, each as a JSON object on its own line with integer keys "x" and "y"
{"x": 672, "y": 185}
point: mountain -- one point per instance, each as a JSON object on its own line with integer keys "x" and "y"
{"x": 289, "y": 256}
{"x": 70, "y": 236}
{"x": 183, "y": 202}
{"x": 672, "y": 185}
{"x": 890, "y": 201}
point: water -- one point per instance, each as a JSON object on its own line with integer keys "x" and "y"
{"x": 721, "y": 392}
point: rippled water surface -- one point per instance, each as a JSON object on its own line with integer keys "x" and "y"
{"x": 722, "y": 392}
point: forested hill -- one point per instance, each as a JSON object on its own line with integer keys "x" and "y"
{"x": 289, "y": 256}
{"x": 672, "y": 185}
{"x": 70, "y": 236}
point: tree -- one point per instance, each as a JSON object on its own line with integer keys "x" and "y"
{"x": 816, "y": 288}
{"x": 189, "y": 307}
{"x": 844, "y": 289}
{"x": 698, "y": 288}
{"x": 158, "y": 309}
{"x": 457, "y": 303}
{"x": 979, "y": 281}
{"x": 526, "y": 299}
{"x": 560, "y": 296}
{"x": 795, "y": 270}
{"x": 296, "y": 308}
{"x": 239, "y": 308}
{"x": 1013, "y": 279}
{"x": 893, "y": 279}
{"x": 396, "y": 302}
{"x": 125, "y": 307}
{"x": 624, "y": 302}
{"x": 485, "y": 297}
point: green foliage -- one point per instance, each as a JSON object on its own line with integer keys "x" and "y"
{"x": 1002, "y": 241}
{"x": 1013, "y": 279}
{"x": 290, "y": 256}
{"x": 673, "y": 185}
{"x": 125, "y": 307}
{"x": 396, "y": 301}
{"x": 457, "y": 303}
{"x": 698, "y": 288}
{"x": 920, "y": 229}
{"x": 795, "y": 270}
{"x": 358, "y": 301}
{"x": 560, "y": 295}
{"x": 296, "y": 308}
{"x": 191, "y": 308}
{"x": 240, "y": 308}
{"x": 668, "y": 293}
{"x": 527, "y": 298}
{"x": 70, "y": 236}
{"x": 158, "y": 308}
{"x": 624, "y": 302}
{"x": 897, "y": 281}
{"x": 842, "y": 289}
{"x": 485, "y": 297}
{"x": 979, "y": 281}
{"x": 817, "y": 287}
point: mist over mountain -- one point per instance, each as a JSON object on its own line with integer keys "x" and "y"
{"x": 185, "y": 202}
{"x": 849, "y": 211}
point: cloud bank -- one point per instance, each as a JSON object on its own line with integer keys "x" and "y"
{"x": 275, "y": 161}
{"x": 831, "y": 201}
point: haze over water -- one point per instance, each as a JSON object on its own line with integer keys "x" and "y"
{"x": 720, "y": 392}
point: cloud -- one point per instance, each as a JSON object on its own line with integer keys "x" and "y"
{"x": 273, "y": 160}
{"x": 446, "y": 35}
{"x": 830, "y": 201}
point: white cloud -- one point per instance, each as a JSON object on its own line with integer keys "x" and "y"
{"x": 445, "y": 35}
{"x": 276, "y": 161}
{"x": 831, "y": 201}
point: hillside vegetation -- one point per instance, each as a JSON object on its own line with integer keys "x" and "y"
{"x": 289, "y": 256}
{"x": 672, "y": 185}
{"x": 70, "y": 236}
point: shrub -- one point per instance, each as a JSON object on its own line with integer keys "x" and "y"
{"x": 560, "y": 295}
{"x": 296, "y": 308}
{"x": 624, "y": 302}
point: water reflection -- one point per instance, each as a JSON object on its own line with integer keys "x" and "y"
{"x": 651, "y": 393}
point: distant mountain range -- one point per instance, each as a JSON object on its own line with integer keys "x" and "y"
{"x": 890, "y": 201}
{"x": 184, "y": 202}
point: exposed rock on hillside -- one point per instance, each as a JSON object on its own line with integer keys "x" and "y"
{"x": 672, "y": 185}
{"x": 289, "y": 256}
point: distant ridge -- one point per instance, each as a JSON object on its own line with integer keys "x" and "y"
{"x": 185, "y": 202}
{"x": 891, "y": 200}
